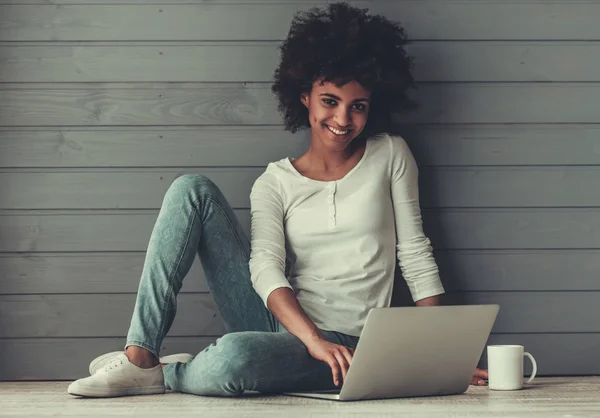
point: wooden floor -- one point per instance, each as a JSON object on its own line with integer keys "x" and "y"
{"x": 548, "y": 397}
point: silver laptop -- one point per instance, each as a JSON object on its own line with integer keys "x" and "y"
{"x": 415, "y": 351}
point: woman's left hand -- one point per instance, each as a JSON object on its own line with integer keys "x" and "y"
{"x": 478, "y": 377}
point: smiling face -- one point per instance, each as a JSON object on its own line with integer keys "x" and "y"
{"x": 337, "y": 115}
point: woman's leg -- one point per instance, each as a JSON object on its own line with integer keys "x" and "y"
{"x": 195, "y": 219}
{"x": 259, "y": 361}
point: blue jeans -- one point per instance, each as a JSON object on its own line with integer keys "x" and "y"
{"x": 257, "y": 353}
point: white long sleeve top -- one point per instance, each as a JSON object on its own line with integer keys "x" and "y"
{"x": 334, "y": 243}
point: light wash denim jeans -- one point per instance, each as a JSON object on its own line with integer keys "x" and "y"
{"x": 257, "y": 353}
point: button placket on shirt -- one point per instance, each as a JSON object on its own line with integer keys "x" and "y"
{"x": 332, "y": 208}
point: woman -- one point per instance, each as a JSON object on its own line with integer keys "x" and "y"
{"x": 324, "y": 232}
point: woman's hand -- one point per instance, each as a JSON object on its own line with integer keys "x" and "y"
{"x": 338, "y": 357}
{"x": 478, "y": 377}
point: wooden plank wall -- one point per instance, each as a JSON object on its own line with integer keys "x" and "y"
{"x": 103, "y": 104}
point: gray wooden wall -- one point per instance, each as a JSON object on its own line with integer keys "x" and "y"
{"x": 104, "y": 104}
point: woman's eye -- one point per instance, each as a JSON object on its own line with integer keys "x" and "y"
{"x": 358, "y": 106}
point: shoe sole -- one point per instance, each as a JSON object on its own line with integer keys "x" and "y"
{"x": 92, "y": 392}
{"x": 176, "y": 358}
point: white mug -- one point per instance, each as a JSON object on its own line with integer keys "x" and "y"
{"x": 505, "y": 367}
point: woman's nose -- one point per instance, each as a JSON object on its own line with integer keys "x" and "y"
{"x": 342, "y": 118}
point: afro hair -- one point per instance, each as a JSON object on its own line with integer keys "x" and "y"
{"x": 339, "y": 44}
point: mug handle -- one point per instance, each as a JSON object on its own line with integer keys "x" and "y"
{"x": 534, "y": 364}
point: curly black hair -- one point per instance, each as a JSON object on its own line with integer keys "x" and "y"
{"x": 339, "y": 44}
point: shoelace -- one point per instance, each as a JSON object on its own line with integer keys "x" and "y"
{"x": 114, "y": 363}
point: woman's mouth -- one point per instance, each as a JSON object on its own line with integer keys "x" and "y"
{"x": 338, "y": 133}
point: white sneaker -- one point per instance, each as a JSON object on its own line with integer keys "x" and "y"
{"x": 101, "y": 361}
{"x": 120, "y": 378}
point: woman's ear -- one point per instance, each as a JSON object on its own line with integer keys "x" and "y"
{"x": 304, "y": 99}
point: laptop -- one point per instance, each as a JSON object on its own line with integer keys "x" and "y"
{"x": 415, "y": 351}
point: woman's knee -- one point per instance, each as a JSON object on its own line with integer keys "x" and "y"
{"x": 235, "y": 349}
{"x": 195, "y": 185}
{"x": 233, "y": 363}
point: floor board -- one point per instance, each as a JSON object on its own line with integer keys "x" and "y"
{"x": 547, "y": 397}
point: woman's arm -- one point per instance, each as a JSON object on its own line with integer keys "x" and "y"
{"x": 415, "y": 254}
{"x": 286, "y": 308}
{"x": 267, "y": 272}
{"x": 267, "y": 238}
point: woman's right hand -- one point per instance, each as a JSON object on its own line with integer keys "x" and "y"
{"x": 338, "y": 357}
